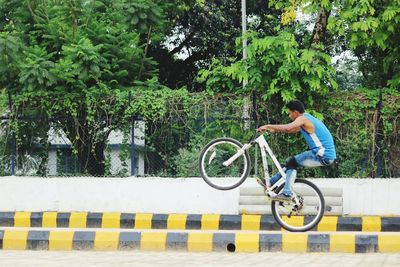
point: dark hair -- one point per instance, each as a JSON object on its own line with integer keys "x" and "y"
{"x": 295, "y": 105}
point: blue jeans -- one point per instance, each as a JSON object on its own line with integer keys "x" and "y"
{"x": 305, "y": 159}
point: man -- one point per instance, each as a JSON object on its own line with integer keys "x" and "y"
{"x": 319, "y": 140}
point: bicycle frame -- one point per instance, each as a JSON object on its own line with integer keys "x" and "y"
{"x": 264, "y": 148}
{"x": 280, "y": 206}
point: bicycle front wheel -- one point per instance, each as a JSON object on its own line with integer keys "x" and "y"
{"x": 215, "y": 173}
{"x": 303, "y": 215}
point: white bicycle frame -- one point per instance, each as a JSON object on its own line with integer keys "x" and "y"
{"x": 264, "y": 148}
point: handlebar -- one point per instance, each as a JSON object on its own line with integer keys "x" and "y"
{"x": 256, "y": 135}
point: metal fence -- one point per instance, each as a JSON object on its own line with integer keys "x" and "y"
{"x": 147, "y": 149}
{"x": 54, "y": 154}
{"x": 168, "y": 147}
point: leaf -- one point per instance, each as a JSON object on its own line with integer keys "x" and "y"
{"x": 390, "y": 13}
{"x": 319, "y": 72}
{"x": 380, "y": 39}
{"x": 325, "y": 3}
{"x": 307, "y": 55}
{"x": 134, "y": 20}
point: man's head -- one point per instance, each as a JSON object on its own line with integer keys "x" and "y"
{"x": 296, "y": 109}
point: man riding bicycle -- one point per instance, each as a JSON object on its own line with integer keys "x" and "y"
{"x": 318, "y": 138}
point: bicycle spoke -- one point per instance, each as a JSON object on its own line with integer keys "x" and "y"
{"x": 215, "y": 173}
{"x": 309, "y": 204}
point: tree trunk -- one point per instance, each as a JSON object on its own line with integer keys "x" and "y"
{"x": 90, "y": 154}
{"x": 91, "y": 158}
{"x": 319, "y": 32}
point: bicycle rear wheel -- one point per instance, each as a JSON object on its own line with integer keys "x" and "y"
{"x": 306, "y": 215}
{"x": 215, "y": 173}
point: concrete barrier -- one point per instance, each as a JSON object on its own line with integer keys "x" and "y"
{"x": 188, "y": 221}
{"x": 12, "y": 239}
{"x": 169, "y": 195}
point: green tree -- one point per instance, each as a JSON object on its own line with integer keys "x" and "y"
{"x": 371, "y": 31}
{"x": 201, "y": 30}
{"x": 75, "y": 61}
{"x": 278, "y": 68}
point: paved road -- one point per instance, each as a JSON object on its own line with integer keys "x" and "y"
{"x": 141, "y": 258}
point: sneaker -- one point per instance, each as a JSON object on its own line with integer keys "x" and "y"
{"x": 282, "y": 197}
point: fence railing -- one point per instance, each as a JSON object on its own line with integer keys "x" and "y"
{"x": 170, "y": 146}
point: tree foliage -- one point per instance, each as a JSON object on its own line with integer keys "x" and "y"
{"x": 277, "y": 65}
{"x": 87, "y": 66}
{"x": 70, "y": 60}
{"x": 203, "y": 30}
{"x": 371, "y": 31}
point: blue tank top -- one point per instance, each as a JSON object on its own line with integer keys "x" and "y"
{"x": 321, "y": 141}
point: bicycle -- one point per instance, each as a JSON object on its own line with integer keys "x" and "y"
{"x": 225, "y": 164}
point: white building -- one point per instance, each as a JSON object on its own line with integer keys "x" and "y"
{"x": 62, "y": 161}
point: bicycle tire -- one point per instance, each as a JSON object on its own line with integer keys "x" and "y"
{"x": 210, "y": 180}
{"x": 308, "y": 222}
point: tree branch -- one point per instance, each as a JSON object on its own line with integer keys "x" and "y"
{"x": 145, "y": 53}
{"x": 184, "y": 43}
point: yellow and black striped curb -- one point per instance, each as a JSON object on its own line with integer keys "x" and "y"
{"x": 198, "y": 241}
{"x": 191, "y": 221}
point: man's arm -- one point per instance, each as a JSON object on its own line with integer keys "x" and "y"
{"x": 292, "y": 127}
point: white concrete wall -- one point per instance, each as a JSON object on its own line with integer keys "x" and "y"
{"x": 141, "y": 164}
{"x": 52, "y": 162}
{"x": 163, "y": 195}
{"x": 367, "y": 196}
{"x": 168, "y": 195}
